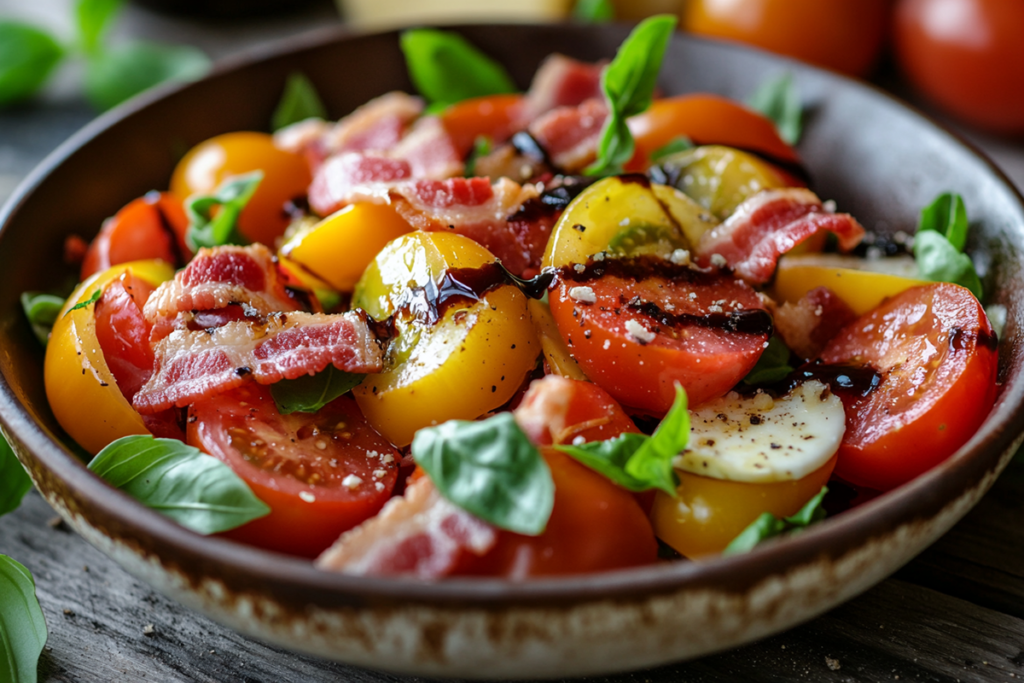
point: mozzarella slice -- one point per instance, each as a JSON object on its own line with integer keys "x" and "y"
{"x": 759, "y": 439}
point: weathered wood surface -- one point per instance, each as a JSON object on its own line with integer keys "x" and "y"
{"x": 956, "y": 613}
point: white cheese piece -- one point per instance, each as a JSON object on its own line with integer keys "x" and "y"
{"x": 758, "y": 439}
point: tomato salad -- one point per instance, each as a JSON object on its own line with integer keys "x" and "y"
{"x": 578, "y": 329}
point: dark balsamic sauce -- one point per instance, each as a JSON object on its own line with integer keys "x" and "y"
{"x": 635, "y": 268}
{"x": 527, "y": 145}
{"x": 843, "y": 379}
{"x": 753, "y": 321}
{"x": 961, "y": 340}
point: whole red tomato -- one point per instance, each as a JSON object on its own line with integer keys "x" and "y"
{"x": 967, "y": 56}
{"x": 843, "y": 35}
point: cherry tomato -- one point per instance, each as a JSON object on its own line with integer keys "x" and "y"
{"x": 709, "y": 513}
{"x": 286, "y": 176}
{"x": 844, "y": 35}
{"x": 150, "y": 227}
{"x": 706, "y": 120}
{"x": 594, "y": 526}
{"x": 321, "y": 474}
{"x": 82, "y": 391}
{"x": 638, "y": 359}
{"x": 936, "y": 351}
{"x": 123, "y": 332}
{"x": 967, "y": 56}
{"x": 494, "y": 117}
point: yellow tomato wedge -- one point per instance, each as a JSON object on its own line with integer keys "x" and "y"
{"x": 472, "y": 359}
{"x": 555, "y": 351}
{"x": 338, "y": 248}
{"x": 82, "y": 391}
{"x": 862, "y": 283}
{"x": 709, "y": 513}
{"x": 626, "y": 217}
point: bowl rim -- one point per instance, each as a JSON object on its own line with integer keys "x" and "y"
{"x": 919, "y": 499}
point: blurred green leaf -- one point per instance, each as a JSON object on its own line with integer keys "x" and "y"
{"x": 299, "y": 102}
{"x": 114, "y": 76}
{"x": 446, "y": 68}
{"x": 27, "y": 57}
{"x": 779, "y": 100}
{"x": 94, "y": 17}
{"x": 594, "y": 11}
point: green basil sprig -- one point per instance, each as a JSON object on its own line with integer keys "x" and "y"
{"x": 446, "y": 68}
{"x": 677, "y": 144}
{"x": 482, "y": 146}
{"x": 88, "y": 302}
{"x": 636, "y": 461}
{"x": 779, "y": 100}
{"x": 490, "y": 469}
{"x": 593, "y": 11}
{"x": 628, "y": 85}
{"x": 773, "y": 365}
{"x": 207, "y": 230}
{"x": 93, "y": 18}
{"x": 939, "y": 244}
{"x": 42, "y": 311}
{"x": 28, "y": 56}
{"x": 14, "y": 481}
{"x": 299, "y": 102}
{"x": 22, "y": 627}
{"x": 769, "y": 526}
{"x": 194, "y": 489}
{"x": 310, "y": 393}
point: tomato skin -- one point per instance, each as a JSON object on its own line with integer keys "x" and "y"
{"x": 707, "y": 362}
{"x": 304, "y": 484}
{"x": 843, "y": 35}
{"x": 150, "y": 227}
{"x": 493, "y": 116}
{"x": 594, "y": 526}
{"x": 123, "y": 332}
{"x": 707, "y": 120}
{"x": 967, "y": 56}
{"x": 935, "y": 348}
{"x": 286, "y": 176}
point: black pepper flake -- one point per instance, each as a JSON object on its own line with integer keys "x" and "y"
{"x": 493, "y": 388}
{"x": 243, "y": 371}
{"x": 776, "y": 446}
{"x": 755, "y": 419}
{"x": 586, "y": 333}
{"x": 579, "y": 227}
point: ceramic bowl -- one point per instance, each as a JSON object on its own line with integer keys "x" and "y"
{"x": 878, "y": 159}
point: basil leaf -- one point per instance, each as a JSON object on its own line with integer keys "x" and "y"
{"x": 446, "y": 68}
{"x": 779, "y": 100}
{"x": 207, "y": 230}
{"x": 490, "y": 469}
{"x": 947, "y": 216}
{"x": 113, "y": 76}
{"x": 628, "y": 85}
{"x": 194, "y": 489}
{"x": 88, "y": 302}
{"x": 311, "y": 393}
{"x": 299, "y": 102}
{"x": 773, "y": 365}
{"x": 22, "y": 627}
{"x": 42, "y": 311}
{"x": 939, "y": 243}
{"x": 27, "y": 57}
{"x": 636, "y": 461}
{"x": 93, "y": 18}
{"x": 14, "y": 481}
{"x": 481, "y": 147}
{"x": 673, "y": 146}
{"x": 594, "y": 11}
{"x": 769, "y": 526}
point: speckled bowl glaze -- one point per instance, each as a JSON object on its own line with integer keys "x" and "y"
{"x": 876, "y": 158}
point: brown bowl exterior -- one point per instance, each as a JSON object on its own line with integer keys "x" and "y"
{"x": 876, "y": 158}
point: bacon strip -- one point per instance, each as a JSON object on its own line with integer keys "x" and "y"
{"x": 198, "y": 364}
{"x": 355, "y": 177}
{"x": 562, "y": 82}
{"x": 420, "y": 535}
{"x": 570, "y": 135}
{"x": 429, "y": 150}
{"x": 768, "y": 225}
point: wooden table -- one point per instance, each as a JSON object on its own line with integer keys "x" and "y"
{"x": 956, "y": 613}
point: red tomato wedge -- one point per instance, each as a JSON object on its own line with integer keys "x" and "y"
{"x": 629, "y": 351}
{"x": 123, "y": 332}
{"x": 321, "y": 474}
{"x": 705, "y": 120}
{"x": 594, "y": 526}
{"x": 493, "y": 116}
{"x": 150, "y": 227}
{"x": 936, "y": 352}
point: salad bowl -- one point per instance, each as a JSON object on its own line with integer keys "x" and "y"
{"x": 875, "y": 157}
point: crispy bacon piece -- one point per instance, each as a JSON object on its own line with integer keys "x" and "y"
{"x": 562, "y": 82}
{"x": 808, "y": 325}
{"x": 355, "y": 177}
{"x": 420, "y": 534}
{"x": 571, "y": 134}
{"x": 429, "y": 150}
{"x": 488, "y": 214}
{"x": 768, "y": 225}
{"x": 198, "y": 364}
